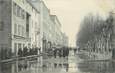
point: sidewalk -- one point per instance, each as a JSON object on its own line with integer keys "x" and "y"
{"x": 18, "y": 58}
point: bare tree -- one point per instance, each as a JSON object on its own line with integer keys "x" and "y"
{"x": 90, "y": 26}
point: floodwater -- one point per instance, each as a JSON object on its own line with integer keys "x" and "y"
{"x": 72, "y": 64}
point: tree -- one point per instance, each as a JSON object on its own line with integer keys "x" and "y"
{"x": 90, "y": 26}
{"x": 93, "y": 29}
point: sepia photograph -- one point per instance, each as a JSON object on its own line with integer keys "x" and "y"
{"x": 57, "y": 36}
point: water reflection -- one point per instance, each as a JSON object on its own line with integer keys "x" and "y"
{"x": 97, "y": 66}
{"x": 22, "y": 65}
{"x": 53, "y": 65}
{"x": 6, "y": 68}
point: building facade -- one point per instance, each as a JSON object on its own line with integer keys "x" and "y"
{"x": 20, "y": 23}
{"x": 35, "y": 23}
{"x": 51, "y": 32}
{"x": 28, "y": 23}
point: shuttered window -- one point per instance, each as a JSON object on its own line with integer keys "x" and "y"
{"x": 1, "y": 26}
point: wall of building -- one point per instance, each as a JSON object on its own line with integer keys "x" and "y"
{"x": 58, "y": 32}
{"x": 29, "y": 24}
{"x": 5, "y": 24}
{"x": 21, "y": 24}
{"x": 35, "y": 23}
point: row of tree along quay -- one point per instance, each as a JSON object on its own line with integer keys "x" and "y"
{"x": 95, "y": 34}
{"x": 7, "y": 53}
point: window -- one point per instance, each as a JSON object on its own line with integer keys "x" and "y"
{"x": 19, "y": 46}
{"x": 15, "y": 48}
{"x": 18, "y": 11}
{"x": 1, "y": 26}
{"x": 15, "y": 28}
{"x": 23, "y": 14}
{"x": 14, "y": 8}
{"x": 22, "y": 31}
{"x": 18, "y": 29}
{"x": 27, "y": 22}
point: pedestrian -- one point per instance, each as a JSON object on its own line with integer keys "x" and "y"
{"x": 60, "y": 53}
{"x": 55, "y": 65}
{"x": 55, "y": 53}
{"x": 64, "y": 53}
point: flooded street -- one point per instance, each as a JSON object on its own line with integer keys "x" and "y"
{"x": 57, "y": 36}
{"x": 72, "y": 64}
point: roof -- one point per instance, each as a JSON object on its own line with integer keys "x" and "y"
{"x": 54, "y": 17}
{"x": 35, "y": 4}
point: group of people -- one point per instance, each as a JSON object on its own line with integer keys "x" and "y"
{"x": 63, "y": 52}
{"x": 27, "y": 52}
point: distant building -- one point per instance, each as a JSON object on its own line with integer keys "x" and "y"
{"x": 51, "y": 32}
{"x": 65, "y": 40}
{"x": 61, "y": 40}
{"x": 45, "y": 27}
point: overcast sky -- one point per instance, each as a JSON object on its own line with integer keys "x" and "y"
{"x": 71, "y": 12}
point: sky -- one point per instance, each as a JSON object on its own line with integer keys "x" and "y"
{"x": 72, "y": 12}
